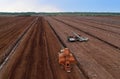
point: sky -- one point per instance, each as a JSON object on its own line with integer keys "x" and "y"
{"x": 59, "y": 5}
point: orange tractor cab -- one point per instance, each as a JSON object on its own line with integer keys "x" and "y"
{"x": 66, "y": 59}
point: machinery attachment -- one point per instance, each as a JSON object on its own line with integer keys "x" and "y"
{"x": 77, "y": 38}
{"x": 66, "y": 59}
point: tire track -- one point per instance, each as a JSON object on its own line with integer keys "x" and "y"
{"x": 103, "y": 23}
{"x": 15, "y": 46}
{"x": 19, "y": 60}
{"x": 85, "y": 22}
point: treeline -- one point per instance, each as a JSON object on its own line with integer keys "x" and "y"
{"x": 62, "y": 13}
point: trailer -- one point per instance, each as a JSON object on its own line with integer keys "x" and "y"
{"x": 77, "y": 37}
